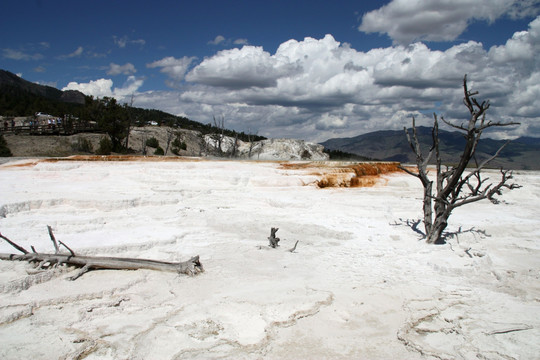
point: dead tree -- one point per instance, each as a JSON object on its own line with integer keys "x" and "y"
{"x": 251, "y": 140}
{"x": 235, "y": 146}
{"x": 170, "y": 135}
{"x": 219, "y": 124}
{"x": 273, "y": 239}
{"x": 129, "y": 109}
{"x": 86, "y": 263}
{"x": 144, "y": 137}
{"x": 454, "y": 186}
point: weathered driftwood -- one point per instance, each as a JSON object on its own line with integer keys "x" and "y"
{"x": 273, "y": 239}
{"x": 86, "y": 263}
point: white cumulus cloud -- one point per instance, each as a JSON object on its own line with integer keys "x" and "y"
{"x": 96, "y": 88}
{"x": 175, "y": 68}
{"x": 104, "y": 87}
{"x": 407, "y": 21}
{"x": 247, "y": 67}
{"x": 321, "y": 88}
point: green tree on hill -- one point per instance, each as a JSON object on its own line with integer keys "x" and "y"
{"x": 111, "y": 118}
{"x": 4, "y": 150}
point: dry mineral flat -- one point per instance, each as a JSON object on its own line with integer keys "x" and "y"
{"x": 360, "y": 285}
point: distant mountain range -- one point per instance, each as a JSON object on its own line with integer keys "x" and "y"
{"x": 391, "y": 145}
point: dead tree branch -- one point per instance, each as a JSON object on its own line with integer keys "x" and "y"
{"x": 190, "y": 267}
{"x": 456, "y": 185}
{"x": 53, "y": 239}
{"x": 520, "y": 327}
{"x": 20, "y": 248}
{"x": 294, "y": 247}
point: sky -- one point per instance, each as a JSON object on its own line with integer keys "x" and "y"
{"x": 312, "y": 70}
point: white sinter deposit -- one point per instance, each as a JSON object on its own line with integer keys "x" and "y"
{"x": 359, "y": 286}
{"x": 269, "y": 149}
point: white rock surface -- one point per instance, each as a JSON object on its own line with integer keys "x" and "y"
{"x": 271, "y": 149}
{"x": 358, "y": 286}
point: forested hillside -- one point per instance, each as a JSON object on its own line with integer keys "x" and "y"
{"x": 21, "y": 98}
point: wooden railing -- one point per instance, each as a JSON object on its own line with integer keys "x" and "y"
{"x": 48, "y": 129}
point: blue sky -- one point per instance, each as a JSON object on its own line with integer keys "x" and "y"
{"x": 305, "y": 69}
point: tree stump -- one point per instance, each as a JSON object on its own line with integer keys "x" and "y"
{"x": 273, "y": 239}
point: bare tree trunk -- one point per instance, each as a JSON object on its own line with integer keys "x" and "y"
{"x": 143, "y": 142}
{"x": 251, "y": 139}
{"x": 219, "y": 124}
{"x": 273, "y": 239}
{"x": 189, "y": 267}
{"x": 235, "y": 146}
{"x": 170, "y": 135}
{"x": 87, "y": 263}
{"x": 130, "y": 125}
{"x": 454, "y": 188}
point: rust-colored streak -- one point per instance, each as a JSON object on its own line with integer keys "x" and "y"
{"x": 119, "y": 158}
{"x": 330, "y": 174}
{"x": 336, "y": 174}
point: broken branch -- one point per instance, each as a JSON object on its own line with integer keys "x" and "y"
{"x": 20, "y": 248}
{"x": 53, "y": 239}
{"x": 192, "y": 266}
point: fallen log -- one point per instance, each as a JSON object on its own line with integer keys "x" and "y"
{"x": 190, "y": 267}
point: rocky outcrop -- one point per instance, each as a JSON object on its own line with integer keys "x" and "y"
{"x": 73, "y": 96}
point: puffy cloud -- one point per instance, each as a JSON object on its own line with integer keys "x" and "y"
{"x": 241, "y": 68}
{"x": 406, "y": 21}
{"x": 96, "y": 88}
{"x": 417, "y": 66}
{"x": 524, "y": 8}
{"x": 130, "y": 87}
{"x": 175, "y": 68}
{"x": 328, "y": 121}
{"x": 523, "y": 46}
{"x": 126, "y": 69}
{"x": 320, "y": 88}
{"x": 104, "y": 87}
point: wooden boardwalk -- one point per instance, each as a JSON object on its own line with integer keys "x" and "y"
{"x": 47, "y": 129}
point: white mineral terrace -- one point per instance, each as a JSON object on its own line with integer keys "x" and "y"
{"x": 360, "y": 285}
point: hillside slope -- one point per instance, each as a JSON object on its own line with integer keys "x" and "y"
{"x": 391, "y": 145}
{"x": 12, "y": 82}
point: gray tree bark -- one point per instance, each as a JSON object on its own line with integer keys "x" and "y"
{"x": 190, "y": 267}
{"x": 454, "y": 186}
